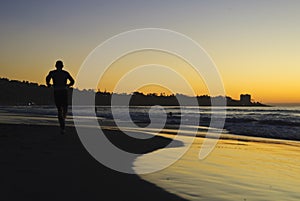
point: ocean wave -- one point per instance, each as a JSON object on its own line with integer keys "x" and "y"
{"x": 271, "y": 122}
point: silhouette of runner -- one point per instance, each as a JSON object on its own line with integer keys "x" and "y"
{"x": 60, "y": 79}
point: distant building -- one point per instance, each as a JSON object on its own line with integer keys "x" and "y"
{"x": 245, "y": 99}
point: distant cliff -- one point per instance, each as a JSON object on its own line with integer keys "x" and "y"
{"x": 140, "y": 99}
{"x": 14, "y": 92}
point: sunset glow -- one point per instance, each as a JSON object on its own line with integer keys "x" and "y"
{"x": 254, "y": 44}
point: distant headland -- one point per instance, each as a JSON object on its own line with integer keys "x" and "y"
{"x": 15, "y": 92}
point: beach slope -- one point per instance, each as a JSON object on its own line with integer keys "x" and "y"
{"x": 37, "y": 163}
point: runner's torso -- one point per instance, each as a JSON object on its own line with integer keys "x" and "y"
{"x": 60, "y": 78}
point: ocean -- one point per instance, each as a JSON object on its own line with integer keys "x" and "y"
{"x": 269, "y": 122}
{"x": 256, "y": 158}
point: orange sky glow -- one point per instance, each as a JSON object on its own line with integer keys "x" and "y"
{"x": 255, "y": 45}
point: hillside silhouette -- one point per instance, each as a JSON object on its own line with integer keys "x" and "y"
{"x": 15, "y": 92}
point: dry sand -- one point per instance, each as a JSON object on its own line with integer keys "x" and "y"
{"x": 37, "y": 163}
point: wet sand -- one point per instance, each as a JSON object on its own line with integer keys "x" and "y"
{"x": 239, "y": 168}
{"x": 37, "y": 163}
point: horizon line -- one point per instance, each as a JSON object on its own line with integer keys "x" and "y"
{"x": 158, "y": 93}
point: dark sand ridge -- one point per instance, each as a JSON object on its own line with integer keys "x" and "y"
{"x": 37, "y": 163}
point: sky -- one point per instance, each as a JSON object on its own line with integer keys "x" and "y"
{"x": 255, "y": 45}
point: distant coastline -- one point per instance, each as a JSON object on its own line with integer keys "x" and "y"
{"x": 18, "y": 93}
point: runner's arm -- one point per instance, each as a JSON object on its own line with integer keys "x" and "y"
{"x": 48, "y": 78}
{"x": 71, "y": 80}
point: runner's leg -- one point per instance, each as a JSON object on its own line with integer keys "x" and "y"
{"x": 61, "y": 118}
{"x": 59, "y": 97}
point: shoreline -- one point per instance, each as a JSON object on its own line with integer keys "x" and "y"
{"x": 234, "y": 170}
{"x": 40, "y": 164}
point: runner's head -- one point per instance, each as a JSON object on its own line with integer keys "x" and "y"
{"x": 59, "y": 64}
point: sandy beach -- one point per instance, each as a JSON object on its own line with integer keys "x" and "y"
{"x": 239, "y": 168}
{"x": 37, "y": 163}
